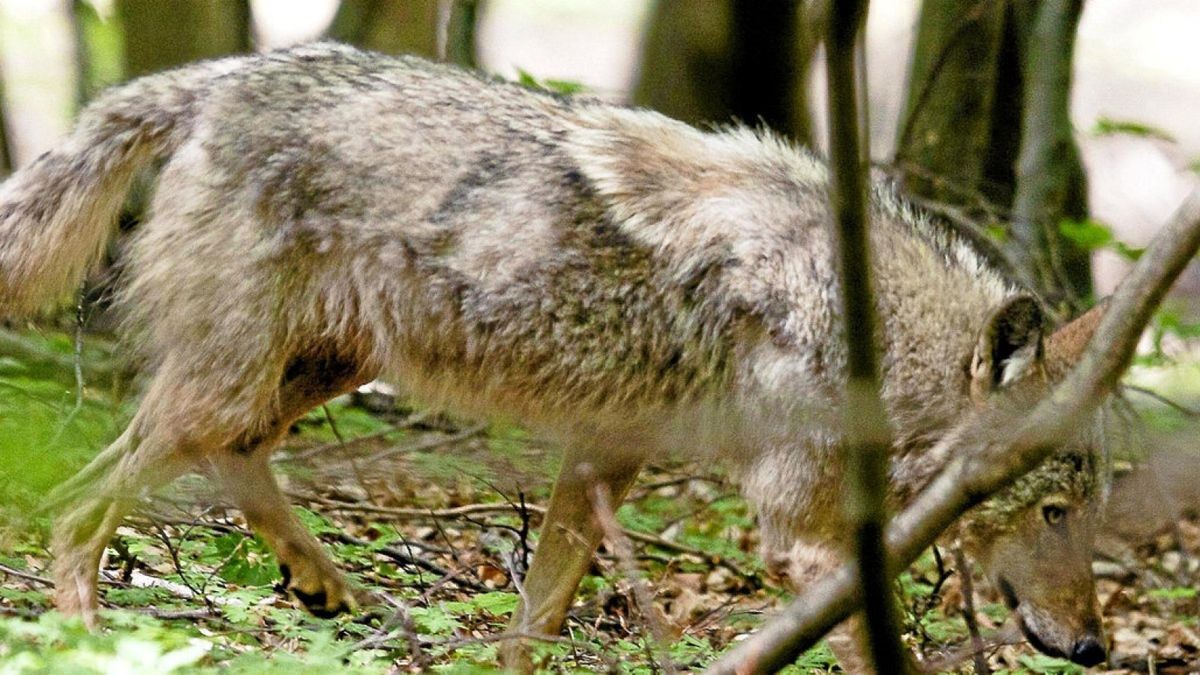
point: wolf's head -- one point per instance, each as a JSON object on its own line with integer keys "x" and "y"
{"x": 1034, "y": 539}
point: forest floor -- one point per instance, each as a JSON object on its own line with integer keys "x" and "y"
{"x": 435, "y": 516}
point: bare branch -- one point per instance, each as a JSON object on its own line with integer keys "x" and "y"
{"x": 984, "y": 464}
{"x": 603, "y": 509}
{"x": 968, "y": 610}
{"x": 866, "y": 431}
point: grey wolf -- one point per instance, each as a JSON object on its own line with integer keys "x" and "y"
{"x": 618, "y": 281}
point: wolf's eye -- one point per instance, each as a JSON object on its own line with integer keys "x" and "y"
{"x": 1052, "y": 514}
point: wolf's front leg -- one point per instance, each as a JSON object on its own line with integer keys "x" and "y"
{"x": 569, "y": 536}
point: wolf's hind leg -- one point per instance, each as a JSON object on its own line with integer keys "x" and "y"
{"x": 133, "y": 463}
{"x": 245, "y": 476}
{"x": 308, "y": 573}
{"x": 569, "y": 536}
{"x": 168, "y": 437}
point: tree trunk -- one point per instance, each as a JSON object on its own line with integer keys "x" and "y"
{"x": 763, "y": 62}
{"x": 460, "y": 33}
{"x": 389, "y": 26}
{"x": 160, "y": 35}
{"x": 1051, "y": 185}
{"x": 960, "y": 122}
{"x": 983, "y": 79}
{"x": 6, "y": 160}
{"x": 710, "y": 61}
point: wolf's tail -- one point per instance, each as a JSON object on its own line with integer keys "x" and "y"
{"x": 58, "y": 213}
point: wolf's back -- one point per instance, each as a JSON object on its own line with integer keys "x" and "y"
{"x": 58, "y": 213}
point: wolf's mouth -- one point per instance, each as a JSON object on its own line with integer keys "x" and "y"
{"x": 1010, "y": 596}
{"x": 1011, "y": 601}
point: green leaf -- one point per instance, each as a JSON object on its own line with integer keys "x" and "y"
{"x": 1088, "y": 234}
{"x": 1130, "y": 253}
{"x": 496, "y": 603}
{"x": 1106, "y": 126}
{"x": 1176, "y": 593}
{"x": 434, "y": 620}
{"x": 556, "y": 86}
{"x": 1040, "y": 663}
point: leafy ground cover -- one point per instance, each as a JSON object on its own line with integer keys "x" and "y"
{"x": 435, "y": 518}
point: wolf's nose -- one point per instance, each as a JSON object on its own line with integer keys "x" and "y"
{"x": 1088, "y": 652}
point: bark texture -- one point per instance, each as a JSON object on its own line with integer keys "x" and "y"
{"x": 389, "y": 26}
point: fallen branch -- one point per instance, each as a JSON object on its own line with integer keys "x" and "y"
{"x": 399, "y": 425}
{"x": 507, "y": 509}
{"x": 400, "y": 512}
{"x": 614, "y": 535}
{"x": 968, "y": 612}
{"x": 427, "y": 444}
{"x": 984, "y": 463}
{"x": 11, "y": 572}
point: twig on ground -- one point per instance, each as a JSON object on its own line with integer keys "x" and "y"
{"x": 9, "y": 571}
{"x": 603, "y": 509}
{"x": 179, "y": 615}
{"x": 1008, "y": 634}
{"x": 651, "y": 486}
{"x": 399, "y": 512}
{"x": 404, "y": 628}
{"x": 968, "y": 611}
{"x": 407, "y": 558}
{"x": 427, "y": 444}
{"x": 459, "y": 643}
{"x": 174, "y": 554}
{"x": 481, "y": 509}
{"x": 341, "y": 445}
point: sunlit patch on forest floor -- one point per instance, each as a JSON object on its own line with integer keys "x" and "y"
{"x": 432, "y": 518}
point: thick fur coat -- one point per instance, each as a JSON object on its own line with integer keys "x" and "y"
{"x": 617, "y": 280}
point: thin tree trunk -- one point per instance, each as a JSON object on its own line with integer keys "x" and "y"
{"x": 460, "y": 33}
{"x": 763, "y": 59}
{"x": 959, "y": 127}
{"x": 1051, "y": 186}
{"x": 160, "y": 35}
{"x": 6, "y": 160}
{"x": 389, "y": 26}
{"x": 985, "y": 75}
{"x": 866, "y": 431}
{"x": 684, "y": 66}
{"x": 715, "y": 61}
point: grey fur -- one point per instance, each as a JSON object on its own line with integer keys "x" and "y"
{"x": 615, "y": 279}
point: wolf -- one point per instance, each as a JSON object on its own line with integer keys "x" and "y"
{"x": 620, "y": 282}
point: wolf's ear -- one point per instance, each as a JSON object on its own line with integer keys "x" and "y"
{"x": 1010, "y": 346}
{"x": 1066, "y": 345}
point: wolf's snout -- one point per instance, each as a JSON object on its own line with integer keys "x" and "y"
{"x": 1088, "y": 652}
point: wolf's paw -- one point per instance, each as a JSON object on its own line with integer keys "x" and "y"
{"x": 515, "y": 656}
{"x": 323, "y": 595}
